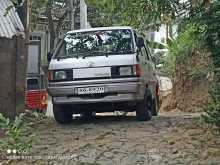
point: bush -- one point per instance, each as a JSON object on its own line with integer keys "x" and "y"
{"x": 212, "y": 109}
{"x": 208, "y": 18}
{"x": 18, "y": 134}
{"x": 181, "y": 47}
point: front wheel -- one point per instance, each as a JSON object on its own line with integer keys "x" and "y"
{"x": 144, "y": 108}
{"x": 62, "y": 114}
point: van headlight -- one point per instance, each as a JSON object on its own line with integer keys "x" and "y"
{"x": 60, "y": 75}
{"x": 125, "y": 71}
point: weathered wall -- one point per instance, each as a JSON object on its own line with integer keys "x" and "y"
{"x": 7, "y": 77}
{"x": 12, "y": 75}
{"x": 21, "y": 61}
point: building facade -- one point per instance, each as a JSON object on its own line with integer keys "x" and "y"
{"x": 13, "y": 61}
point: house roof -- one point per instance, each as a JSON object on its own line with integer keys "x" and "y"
{"x": 10, "y": 24}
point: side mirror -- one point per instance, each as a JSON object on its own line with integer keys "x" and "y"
{"x": 140, "y": 42}
{"x": 49, "y": 56}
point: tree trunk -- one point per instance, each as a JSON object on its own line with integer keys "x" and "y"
{"x": 60, "y": 22}
{"x": 51, "y": 24}
{"x": 71, "y": 14}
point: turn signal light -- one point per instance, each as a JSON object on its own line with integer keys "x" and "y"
{"x": 50, "y": 75}
{"x": 138, "y": 70}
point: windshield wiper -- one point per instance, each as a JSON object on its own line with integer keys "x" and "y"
{"x": 109, "y": 53}
{"x": 93, "y": 53}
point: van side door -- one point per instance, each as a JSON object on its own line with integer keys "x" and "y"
{"x": 146, "y": 65}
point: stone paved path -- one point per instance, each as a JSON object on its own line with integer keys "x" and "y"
{"x": 118, "y": 140}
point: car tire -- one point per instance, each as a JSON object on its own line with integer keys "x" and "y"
{"x": 155, "y": 107}
{"x": 62, "y": 114}
{"x": 144, "y": 108}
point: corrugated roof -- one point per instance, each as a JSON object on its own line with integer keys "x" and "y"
{"x": 10, "y": 24}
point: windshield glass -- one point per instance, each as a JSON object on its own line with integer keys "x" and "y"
{"x": 95, "y": 43}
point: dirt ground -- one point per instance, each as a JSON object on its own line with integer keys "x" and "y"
{"x": 170, "y": 138}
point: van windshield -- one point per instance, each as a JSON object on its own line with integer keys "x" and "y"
{"x": 96, "y": 43}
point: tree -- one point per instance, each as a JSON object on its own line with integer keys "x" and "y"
{"x": 142, "y": 14}
{"x": 58, "y": 12}
{"x": 145, "y": 14}
{"x": 52, "y": 16}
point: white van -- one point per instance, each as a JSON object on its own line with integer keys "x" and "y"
{"x": 103, "y": 69}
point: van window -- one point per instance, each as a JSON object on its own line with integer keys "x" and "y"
{"x": 32, "y": 84}
{"x": 135, "y": 36}
{"x": 148, "y": 52}
{"x": 145, "y": 53}
{"x": 95, "y": 43}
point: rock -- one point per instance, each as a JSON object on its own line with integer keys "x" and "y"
{"x": 116, "y": 144}
{"x": 76, "y": 138}
{"x": 104, "y": 162}
{"x": 155, "y": 157}
{"x": 171, "y": 143}
{"x": 175, "y": 151}
{"x": 204, "y": 155}
{"x": 108, "y": 154}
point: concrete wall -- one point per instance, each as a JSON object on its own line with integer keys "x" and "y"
{"x": 21, "y": 64}
{"x": 12, "y": 75}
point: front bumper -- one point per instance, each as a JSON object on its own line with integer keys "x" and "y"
{"x": 121, "y": 90}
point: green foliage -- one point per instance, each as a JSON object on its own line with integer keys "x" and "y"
{"x": 141, "y": 14}
{"x": 209, "y": 19}
{"x": 36, "y": 9}
{"x": 15, "y": 5}
{"x": 198, "y": 73}
{"x": 212, "y": 109}
{"x": 7, "y": 10}
{"x": 181, "y": 47}
{"x": 156, "y": 45}
{"x": 18, "y": 133}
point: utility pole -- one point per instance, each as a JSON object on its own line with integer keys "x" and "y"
{"x": 27, "y": 6}
{"x": 83, "y": 14}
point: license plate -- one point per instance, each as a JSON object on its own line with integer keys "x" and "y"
{"x": 90, "y": 90}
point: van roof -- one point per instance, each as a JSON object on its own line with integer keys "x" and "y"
{"x": 101, "y": 28}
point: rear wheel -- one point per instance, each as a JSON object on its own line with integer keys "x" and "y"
{"x": 144, "y": 108}
{"x": 62, "y": 114}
